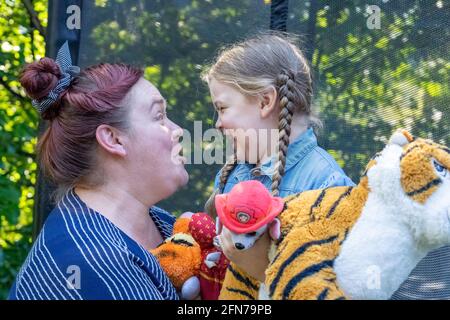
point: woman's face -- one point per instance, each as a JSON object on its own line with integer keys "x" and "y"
{"x": 153, "y": 148}
{"x": 240, "y": 118}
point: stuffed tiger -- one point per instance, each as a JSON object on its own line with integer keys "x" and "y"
{"x": 180, "y": 257}
{"x": 359, "y": 242}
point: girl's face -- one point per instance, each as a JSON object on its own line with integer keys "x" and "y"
{"x": 153, "y": 148}
{"x": 242, "y": 118}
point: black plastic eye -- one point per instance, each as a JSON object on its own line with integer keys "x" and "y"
{"x": 251, "y": 234}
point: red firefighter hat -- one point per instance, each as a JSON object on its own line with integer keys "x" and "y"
{"x": 247, "y": 207}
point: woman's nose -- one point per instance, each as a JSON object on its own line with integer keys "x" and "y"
{"x": 177, "y": 131}
{"x": 173, "y": 126}
{"x": 177, "y": 134}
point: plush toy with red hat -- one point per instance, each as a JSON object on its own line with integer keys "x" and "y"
{"x": 248, "y": 211}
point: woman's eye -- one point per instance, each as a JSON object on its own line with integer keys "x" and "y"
{"x": 160, "y": 116}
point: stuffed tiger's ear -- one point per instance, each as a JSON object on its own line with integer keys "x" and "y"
{"x": 401, "y": 137}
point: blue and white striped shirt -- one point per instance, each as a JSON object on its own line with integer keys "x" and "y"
{"x": 80, "y": 254}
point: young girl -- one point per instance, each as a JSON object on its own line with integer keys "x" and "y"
{"x": 264, "y": 83}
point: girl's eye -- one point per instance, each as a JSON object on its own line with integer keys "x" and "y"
{"x": 221, "y": 109}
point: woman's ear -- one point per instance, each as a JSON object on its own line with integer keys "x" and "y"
{"x": 268, "y": 101}
{"x": 110, "y": 139}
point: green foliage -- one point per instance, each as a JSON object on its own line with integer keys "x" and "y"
{"x": 20, "y": 43}
{"x": 367, "y": 81}
{"x": 172, "y": 40}
{"x": 371, "y": 81}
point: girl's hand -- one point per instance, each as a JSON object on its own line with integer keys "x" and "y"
{"x": 253, "y": 261}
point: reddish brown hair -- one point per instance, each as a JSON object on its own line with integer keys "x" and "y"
{"x": 66, "y": 150}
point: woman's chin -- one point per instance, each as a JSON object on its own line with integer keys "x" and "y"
{"x": 184, "y": 177}
{"x": 177, "y": 179}
{"x": 177, "y": 170}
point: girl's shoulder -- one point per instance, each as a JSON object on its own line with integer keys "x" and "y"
{"x": 316, "y": 170}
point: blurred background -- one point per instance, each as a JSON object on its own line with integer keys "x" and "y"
{"x": 369, "y": 80}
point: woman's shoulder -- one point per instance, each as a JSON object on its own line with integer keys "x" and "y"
{"x": 72, "y": 230}
{"x": 72, "y": 221}
{"x": 79, "y": 244}
{"x": 162, "y": 214}
{"x": 75, "y": 234}
{"x": 163, "y": 220}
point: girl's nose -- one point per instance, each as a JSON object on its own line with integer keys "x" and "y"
{"x": 219, "y": 124}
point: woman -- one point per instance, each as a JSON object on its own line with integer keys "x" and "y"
{"x": 108, "y": 147}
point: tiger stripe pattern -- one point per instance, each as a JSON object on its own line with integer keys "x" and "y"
{"x": 316, "y": 223}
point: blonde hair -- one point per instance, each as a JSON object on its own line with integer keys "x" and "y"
{"x": 257, "y": 63}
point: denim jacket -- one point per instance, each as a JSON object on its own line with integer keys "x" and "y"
{"x": 308, "y": 167}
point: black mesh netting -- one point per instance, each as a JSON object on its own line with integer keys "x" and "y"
{"x": 368, "y": 80}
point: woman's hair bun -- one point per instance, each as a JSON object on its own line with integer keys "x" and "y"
{"x": 40, "y": 77}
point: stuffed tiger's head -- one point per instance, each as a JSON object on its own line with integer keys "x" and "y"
{"x": 412, "y": 177}
{"x": 180, "y": 258}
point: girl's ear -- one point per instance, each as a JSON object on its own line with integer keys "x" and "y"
{"x": 268, "y": 101}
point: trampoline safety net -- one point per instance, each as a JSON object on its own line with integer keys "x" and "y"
{"x": 377, "y": 67}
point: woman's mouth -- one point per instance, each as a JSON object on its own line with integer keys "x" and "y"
{"x": 177, "y": 155}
